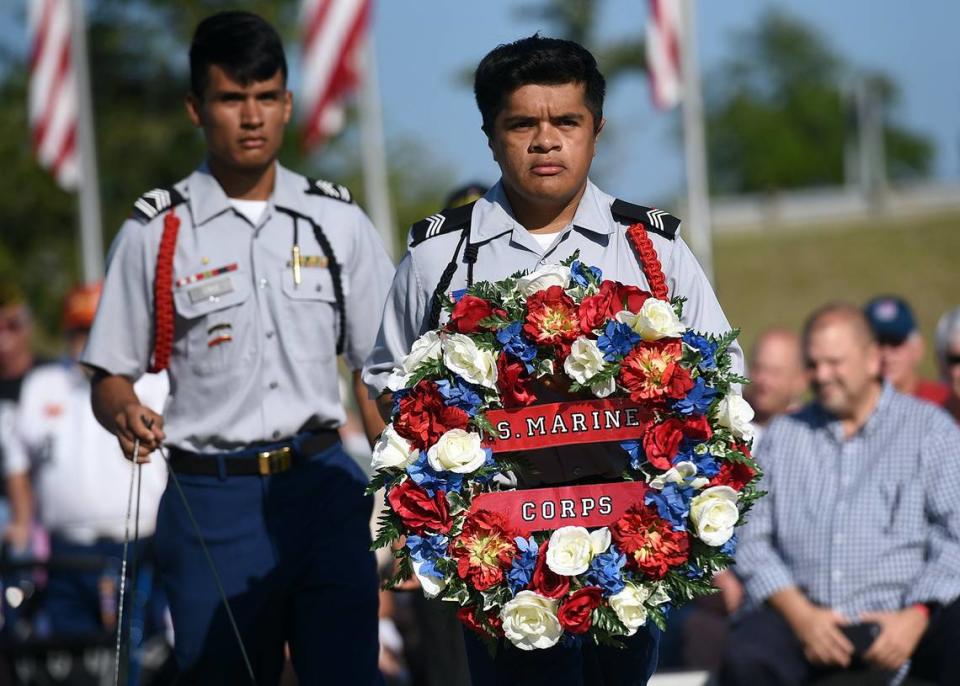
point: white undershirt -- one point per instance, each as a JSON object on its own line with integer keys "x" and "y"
{"x": 251, "y": 209}
{"x": 545, "y": 239}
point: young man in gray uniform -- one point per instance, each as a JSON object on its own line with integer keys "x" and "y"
{"x": 541, "y": 101}
{"x": 247, "y": 281}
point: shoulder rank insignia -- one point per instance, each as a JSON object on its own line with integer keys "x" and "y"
{"x": 153, "y": 203}
{"x": 453, "y": 219}
{"x": 653, "y": 219}
{"x": 329, "y": 189}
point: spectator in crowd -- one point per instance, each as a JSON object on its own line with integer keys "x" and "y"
{"x": 80, "y": 480}
{"x": 778, "y": 377}
{"x": 948, "y": 354}
{"x": 902, "y": 348}
{"x": 850, "y": 562}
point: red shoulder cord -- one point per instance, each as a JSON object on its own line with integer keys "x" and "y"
{"x": 163, "y": 294}
{"x": 649, "y": 260}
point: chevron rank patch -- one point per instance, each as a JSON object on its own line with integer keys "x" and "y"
{"x": 653, "y": 219}
{"x": 453, "y": 219}
{"x": 330, "y": 190}
{"x": 152, "y": 203}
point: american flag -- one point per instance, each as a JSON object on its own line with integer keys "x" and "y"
{"x": 53, "y": 89}
{"x": 663, "y": 52}
{"x": 334, "y": 32}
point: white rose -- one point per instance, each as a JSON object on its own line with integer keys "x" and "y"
{"x": 602, "y": 389}
{"x": 584, "y": 361}
{"x": 462, "y": 356}
{"x": 432, "y": 585}
{"x": 457, "y": 451}
{"x": 392, "y": 450}
{"x": 424, "y": 348}
{"x": 530, "y": 621}
{"x": 543, "y": 278}
{"x": 677, "y": 474}
{"x": 655, "y": 320}
{"x": 570, "y": 550}
{"x": 629, "y": 606}
{"x": 714, "y": 513}
{"x": 736, "y": 414}
{"x": 599, "y": 540}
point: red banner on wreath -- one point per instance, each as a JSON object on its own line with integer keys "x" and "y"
{"x": 546, "y": 509}
{"x": 567, "y": 423}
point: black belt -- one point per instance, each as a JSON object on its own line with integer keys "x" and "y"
{"x": 274, "y": 458}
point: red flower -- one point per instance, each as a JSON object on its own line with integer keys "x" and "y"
{"x": 612, "y": 297}
{"x": 651, "y": 545}
{"x": 424, "y": 417}
{"x": 631, "y": 298}
{"x": 661, "y": 443}
{"x": 468, "y": 615}
{"x": 417, "y": 510}
{"x": 651, "y": 371}
{"x": 552, "y": 317}
{"x": 513, "y": 383}
{"x": 547, "y": 582}
{"x": 575, "y": 612}
{"x": 484, "y": 549}
{"x": 736, "y": 475}
{"x": 468, "y": 312}
{"x": 698, "y": 429}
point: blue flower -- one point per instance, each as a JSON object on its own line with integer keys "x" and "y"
{"x": 635, "y": 452}
{"x": 707, "y": 350}
{"x": 460, "y": 394}
{"x": 730, "y": 547}
{"x": 524, "y": 562}
{"x": 516, "y": 344}
{"x": 606, "y": 570}
{"x": 397, "y": 397}
{"x": 698, "y": 399}
{"x": 583, "y": 275}
{"x": 617, "y": 340}
{"x": 706, "y": 463}
{"x": 673, "y": 504}
{"x": 430, "y": 480}
{"x": 693, "y": 571}
{"x": 456, "y": 295}
{"x": 427, "y": 550}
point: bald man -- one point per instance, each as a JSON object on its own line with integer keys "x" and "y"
{"x": 850, "y": 562}
{"x": 778, "y": 378}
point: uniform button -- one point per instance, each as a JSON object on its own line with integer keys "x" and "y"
{"x": 274, "y": 385}
{"x": 269, "y": 334}
{"x": 276, "y": 434}
{"x": 263, "y": 282}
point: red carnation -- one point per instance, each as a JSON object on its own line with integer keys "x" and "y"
{"x": 575, "y": 612}
{"x": 650, "y": 543}
{"x": 545, "y": 581}
{"x": 697, "y": 428}
{"x": 417, "y": 510}
{"x": 484, "y": 549}
{"x": 552, "y": 317}
{"x": 630, "y": 298}
{"x": 736, "y": 475}
{"x": 651, "y": 371}
{"x": 661, "y": 442}
{"x": 469, "y": 311}
{"x": 424, "y": 417}
{"x": 468, "y": 616}
{"x": 612, "y": 297}
{"x": 513, "y": 383}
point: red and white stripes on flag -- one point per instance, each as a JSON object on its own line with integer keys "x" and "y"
{"x": 334, "y": 32}
{"x": 53, "y": 89}
{"x": 664, "y": 36}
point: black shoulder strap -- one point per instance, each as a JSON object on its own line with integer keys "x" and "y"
{"x": 453, "y": 219}
{"x": 153, "y": 203}
{"x": 652, "y": 219}
{"x": 329, "y": 189}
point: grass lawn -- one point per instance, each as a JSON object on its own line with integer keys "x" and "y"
{"x": 772, "y": 278}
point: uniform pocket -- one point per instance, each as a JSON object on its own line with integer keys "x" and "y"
{"x": 311, "y": 324}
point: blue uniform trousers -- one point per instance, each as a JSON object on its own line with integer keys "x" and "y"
{"x": 293, "y": 552}
{"x": 580, "y": 663}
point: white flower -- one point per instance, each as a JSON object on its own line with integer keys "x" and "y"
{"x": 392, "y": 450}
{"x": 462, "y": 356}
{"x": 736, "y": 414}
{"x": 543, "y": 278}
{"x": 599, "y": 540}
{"x": 714, "y": 513}
{"x": 677, "y": 474}
{"x": 425, "y": 348}
{"x": 432, "y": 585}
{"x": 570, "y": 550}
{"x": 655, "y": 320}
{"x": 628, "y": 604}
{"x": 530, "y": 621}
{"x": 584, "y": 361}
{"x": 602, "y": 389}
{"x": 457, "y": 451}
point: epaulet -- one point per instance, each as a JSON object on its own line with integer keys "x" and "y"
{"x": 653, "y": 219}
{"x": 329, "y": 189}
{"x": 152, "y": 203}
{"x": 453, "y": 219}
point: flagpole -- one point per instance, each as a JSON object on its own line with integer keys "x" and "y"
{"x": 91, "y": 235}
{"x": 697, "y": 227}
{"x": 373, "y": 149}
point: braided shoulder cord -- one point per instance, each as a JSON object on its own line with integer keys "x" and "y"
{"x": 163, "y": 294}
{"x": 649, "y": 260}
{"x": 335, "y": 273}
{"x": 436, "y": 302}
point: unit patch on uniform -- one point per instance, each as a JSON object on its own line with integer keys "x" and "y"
{"x": 329, "y": 189}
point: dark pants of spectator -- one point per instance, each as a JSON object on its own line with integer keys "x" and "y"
{"x": 293, "y": 552}
{"x": 762, "y": 650}
{"x": 582, "y": 663}
{"x": 440, "y": 658}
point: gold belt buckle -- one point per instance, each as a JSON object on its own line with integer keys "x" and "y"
{"x": 275, "y": 461}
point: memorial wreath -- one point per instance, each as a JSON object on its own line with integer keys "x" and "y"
{"x": 542, "y": 565}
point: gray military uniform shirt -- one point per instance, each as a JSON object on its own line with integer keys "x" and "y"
{"x": 505, "y": 247}
{"x": 254, "y": 354}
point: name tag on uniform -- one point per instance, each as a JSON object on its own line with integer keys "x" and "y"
{"x": 210, "y": 290}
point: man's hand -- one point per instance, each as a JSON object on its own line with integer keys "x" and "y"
{"x": 139, "y": 421}
{"x": 18, "y": 536}
{"x": 817, "y": 628}
{"x": 900, "y": 632}
{"x": 731, "y": 590}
